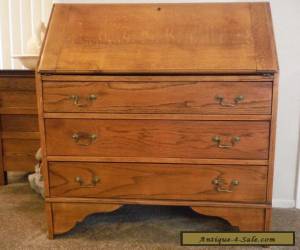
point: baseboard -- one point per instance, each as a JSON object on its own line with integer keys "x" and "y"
{"x": 283, "y": 203}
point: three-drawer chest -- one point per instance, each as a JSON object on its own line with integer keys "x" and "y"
{"x": 158, "y": 104}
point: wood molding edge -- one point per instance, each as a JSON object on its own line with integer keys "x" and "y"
{"x": 246, "y": 219}
{"x": 67, "y": 215}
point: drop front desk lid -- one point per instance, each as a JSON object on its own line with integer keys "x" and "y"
{"x": 159, "y": 38}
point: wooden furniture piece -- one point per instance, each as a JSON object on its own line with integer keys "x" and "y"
{"x": 168, "y": 104}
{"x": 19, "y": 136}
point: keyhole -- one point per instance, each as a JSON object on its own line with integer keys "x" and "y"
{"x": 158, "y": 9}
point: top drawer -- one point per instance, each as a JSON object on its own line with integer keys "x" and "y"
{"x": 158, "y": 97}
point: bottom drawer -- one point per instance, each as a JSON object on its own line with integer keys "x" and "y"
{"x": 158, "y": 181}
{"x": 19, "y": 154}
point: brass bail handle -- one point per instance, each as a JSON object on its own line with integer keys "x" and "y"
{"x": 236, "y": 101}
{"x": 83, "y": 138}
{"x": 94, "y": 182}
{"x": 87, "y": 101}
{"x": 218, "y": 140}
{"x": 221, "y": 185}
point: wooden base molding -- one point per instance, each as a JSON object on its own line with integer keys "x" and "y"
{"x": 62, "y": 217}
{"x": 246, "y": 219}
{"x": 65, "y": 216}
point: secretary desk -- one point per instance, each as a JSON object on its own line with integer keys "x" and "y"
{"x": 158, "y": 104}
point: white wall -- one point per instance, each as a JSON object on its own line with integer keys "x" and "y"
{"x": 18, "y": 19}
{"x": 286, "y": 20}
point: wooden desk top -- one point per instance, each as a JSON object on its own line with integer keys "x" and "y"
{"x": 159, "y": 38}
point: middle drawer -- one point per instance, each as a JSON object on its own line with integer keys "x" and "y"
{"x": 158, "y": 138}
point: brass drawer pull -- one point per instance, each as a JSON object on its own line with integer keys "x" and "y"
{"x": 83, "y": 138}
{"x": 95, "y": 180}
{"x": 233, "y": 141}
{"x": 220, "y": 185}
{"x": 237, "y": 100}
{"x": 87, "y": 101}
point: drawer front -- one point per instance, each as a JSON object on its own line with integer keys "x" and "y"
{"x": 18, "y": 100}
{"x": 159, "y": 97}
{"x": 17, "y": 92}
{"x": 158, "y": 138}
{"x": 17, "y": 83}
{"x": 19, "y": 154}
{"x": 19, "y": 123}
{"x": 158, "y": 181}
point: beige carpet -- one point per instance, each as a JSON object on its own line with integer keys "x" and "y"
{"x": 22, "y": 225}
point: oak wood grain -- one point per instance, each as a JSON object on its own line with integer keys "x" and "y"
{"x": 19, "y": 146}
{"x": 19, "y": 123}
{"x": 266, "y": 57}
{"x": 21, "y": 135}
{"x": 162, "y": 38}
{"x": 17, "y": 92}
{"x": 157, "y": 181}
{"x": 15, "y": 100}
{"x": 154, "y": 138}
{"x": 154, "y": 69}
{"x": 17, "y": 81}
{"x": 268, "y": 218}
{"x": 19, "y": 154}
{"x": 22, "y": 162}
{"x": 158, "y": 97}
{"x": 49, "y": 217}
{"x": 18, "y": 120}
{"x": 247, "y": 219}
{"x": 67, "y": 215}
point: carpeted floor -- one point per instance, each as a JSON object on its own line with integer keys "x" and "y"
{"x": 23, "y": 225}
